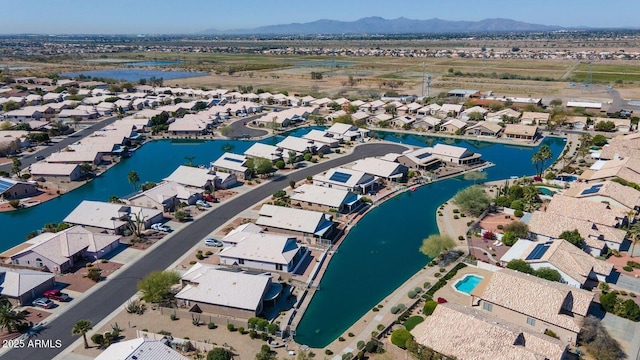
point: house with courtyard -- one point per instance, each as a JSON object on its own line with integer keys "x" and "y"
{"x": 11, "y": 189}
{"x": 321, "y": 198}
{"x": 545, "y": 226}
{"x": 22, "y": 286}
{"x": 577, "y": 268}
{"x": 456, "y": 155}
{"x": 111, "y": 218}
{"x": 298, "y": 222}
{"x": 346, "y": 132}
{"x": 346, "y": 179}
{"x": 322, "y": 138}
{"x": 534, "y": 303}
{"x": 61, "y": 251}
{"x": 232, "y": 164}
{"x": 300, "y": 146}
{"x": 222, "y": 291}
{"x": 534, "y": 118}
{"x": 521, "y": 132}
{"x": 388, "y": 170}
{"x": 503, "y": 116}
{"x": 612, "y": 193}
{"x": 453, "y": 126}
{"x": 262, "y": 251}
{"x": 474, "y": 113}
{"x": 625, "y": 168}
{"x": 470, "y": 334}
{"x": 419, "y": 158}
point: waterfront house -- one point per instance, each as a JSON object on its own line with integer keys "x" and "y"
{"x": 455, "y": 155}
{"x": 534, "y": 118}
{"x": 534, "y": 303}
{"x": 110, "y": 217}
{"x": 295, "y": 221}
{"x": 346, "y": 179}
{"x": 22, "y": 286}
{"x": 221, "y": 291}
{"x": 17, "y": 189}
{"x": 380, "y": 119}
{"x": 388, "y": 170}
{"x": 76, "y": 157}
{"x": 598, "y": 213}
{"x": 61, "y": 251}
{"x": 321, "y": 198}
{"x": 610, "y": 192}
{"x": 55, "y": 171}
{"x": 622, "y": 146}
{"x": 360, "y": 117}
{"x": 259, "y": 150}
{"x": 299, "y": 145}
{"x": 625, "y": 168}
{"x": 503, "y": 116}
{"x": 484, "y": 128}
{"x": 453, "y": 126}
{"x": 140, "y": 349}
{"x": 468, "y": 334}
{"x": 346, "y": 132}
{"x": 419, "y": 158}
{"x": 262, "y": 251}
{"x": 575, "y": 266}
{"x": 193, "y": 177}
{"x": 233, "y": 164}
{"x": 521, "y": 132}
{"x": 165, "y": 196}
{"x": 320, "y": 137}
{"x": 426, "y": 123}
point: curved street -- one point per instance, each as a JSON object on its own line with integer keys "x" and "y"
{"x": 117, "y": 290}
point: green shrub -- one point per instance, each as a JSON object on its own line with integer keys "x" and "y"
{"x": 400, "y": 337}
{"x": 340, "y": 338}
{"x": 627, "y": 268}
{"x": 412, "y": 294}
{"x": 412, "y": 322}
{"x": 173, "y": 317}
{"x": 437, "y": 275}
{"x": 632, "y": 294}
{"x": 231, "y": 327}
{"x": 380, "y": 327}
{"x": 460, "y": 237}
{"x": 456, "y": 211}
{"x": 328, "y": 352}
{"x": 350, "y": 334}
{"x": 456, "y": 217}
{"x": 551, "y": 333}
{"x": 211, "y": 325}
{"x": 442, "y": 270}
{"x": 371, "y": 347}
{"x": 241, "y": 330}
{"x": 429, "y": 307}
{"x": 426, "y": 285}
{"x": 360, "y": 345}
{"x": 375, "y": 309}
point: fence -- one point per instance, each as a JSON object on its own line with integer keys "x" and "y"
{"x": 206, "y": 318}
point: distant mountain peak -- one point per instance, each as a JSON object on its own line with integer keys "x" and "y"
{"x": 380, "y": 25}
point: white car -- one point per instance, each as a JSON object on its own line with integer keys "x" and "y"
{"x": 160, "y": 227}
{"x": 212, "y": 242}
{"x": 203, "y": 203}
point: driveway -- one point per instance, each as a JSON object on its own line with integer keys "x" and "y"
{"x": 628, "y": 283}
{"x": 117, "y": 290}
{"x": 626, "y": 332}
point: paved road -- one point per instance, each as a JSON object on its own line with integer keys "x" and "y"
{"x": 30, "y": 158}
{"x": 121, "y": 287}
{"x": 239, "y": 130}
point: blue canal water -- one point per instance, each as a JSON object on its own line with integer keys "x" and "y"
{"x": 378, "y": 255}
{"x": 136, "y": 74}
{"x": 468, "y": 283}
{"x": 152, "y": 63}
{"x": 381, "y": 251}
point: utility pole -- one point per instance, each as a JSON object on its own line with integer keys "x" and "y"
{"x": 428, "y": 83}
{"x": 423, "y": 79}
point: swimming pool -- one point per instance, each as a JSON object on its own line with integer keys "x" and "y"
{"x": 467, "y": 284}
{"x": 566, "y": 178}
{"x": 546, "y": 191}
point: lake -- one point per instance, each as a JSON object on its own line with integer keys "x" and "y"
{"x": 135, "y": 74}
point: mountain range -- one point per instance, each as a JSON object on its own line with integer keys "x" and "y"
{"x": 379, "y": 25}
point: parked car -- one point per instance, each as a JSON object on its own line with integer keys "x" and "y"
{"x": 55, "y": 294}
{"x": 212, "y": 242}
{"x": 210, "y": 198}
{"x": 160, "y": 227}
{"x": 203, "y": 203}
{"x": 39, "y": 157}
{"x": 43, "y": 303}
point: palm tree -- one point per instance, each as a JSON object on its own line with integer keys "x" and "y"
{"x": 633, "y": 234}
{"x": 536, "y": 159}
{"x": 82, "y": 327}
{"x": 133, "y": 178}
{"x": 10, "y": 318}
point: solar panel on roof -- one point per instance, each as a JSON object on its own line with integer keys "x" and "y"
{"x": 538, "y": 252}
{"x": 592, "y": 190}
{"x": 4, "y": 185}
{"x": 234, "y": 160}
{"x": 340, "y": 177}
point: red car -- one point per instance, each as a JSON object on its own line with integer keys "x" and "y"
{"x": 56, "y": 295}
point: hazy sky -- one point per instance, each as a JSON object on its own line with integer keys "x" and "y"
{"x": 189, "y": 16}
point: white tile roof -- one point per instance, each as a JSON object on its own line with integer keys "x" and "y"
{"x": 15, "y": 282}
{"x": 311, "y": 222}
{"x": 321, "y": 137}
{"x": 468, "y": 334}
{"x": 322, "y": 195}
{"x": 44, "y": 169}
{"x": 105, "y": 215}
{"x": 537, "y": 298}
{"x": 296, "y": 144}
{"x": 378, "y": 167}
{"x": 140, "y": 349}
{"x": 230, "y": 161}
{"x": 191, "y": 176}
{"x": 354, "y": 177}
{"x": 260, "y": 247}
{"x": 263, "y": 151}
{"x": 224, "y": 287}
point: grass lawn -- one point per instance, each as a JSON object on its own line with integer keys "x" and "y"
{"x": 412, "y": 322}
